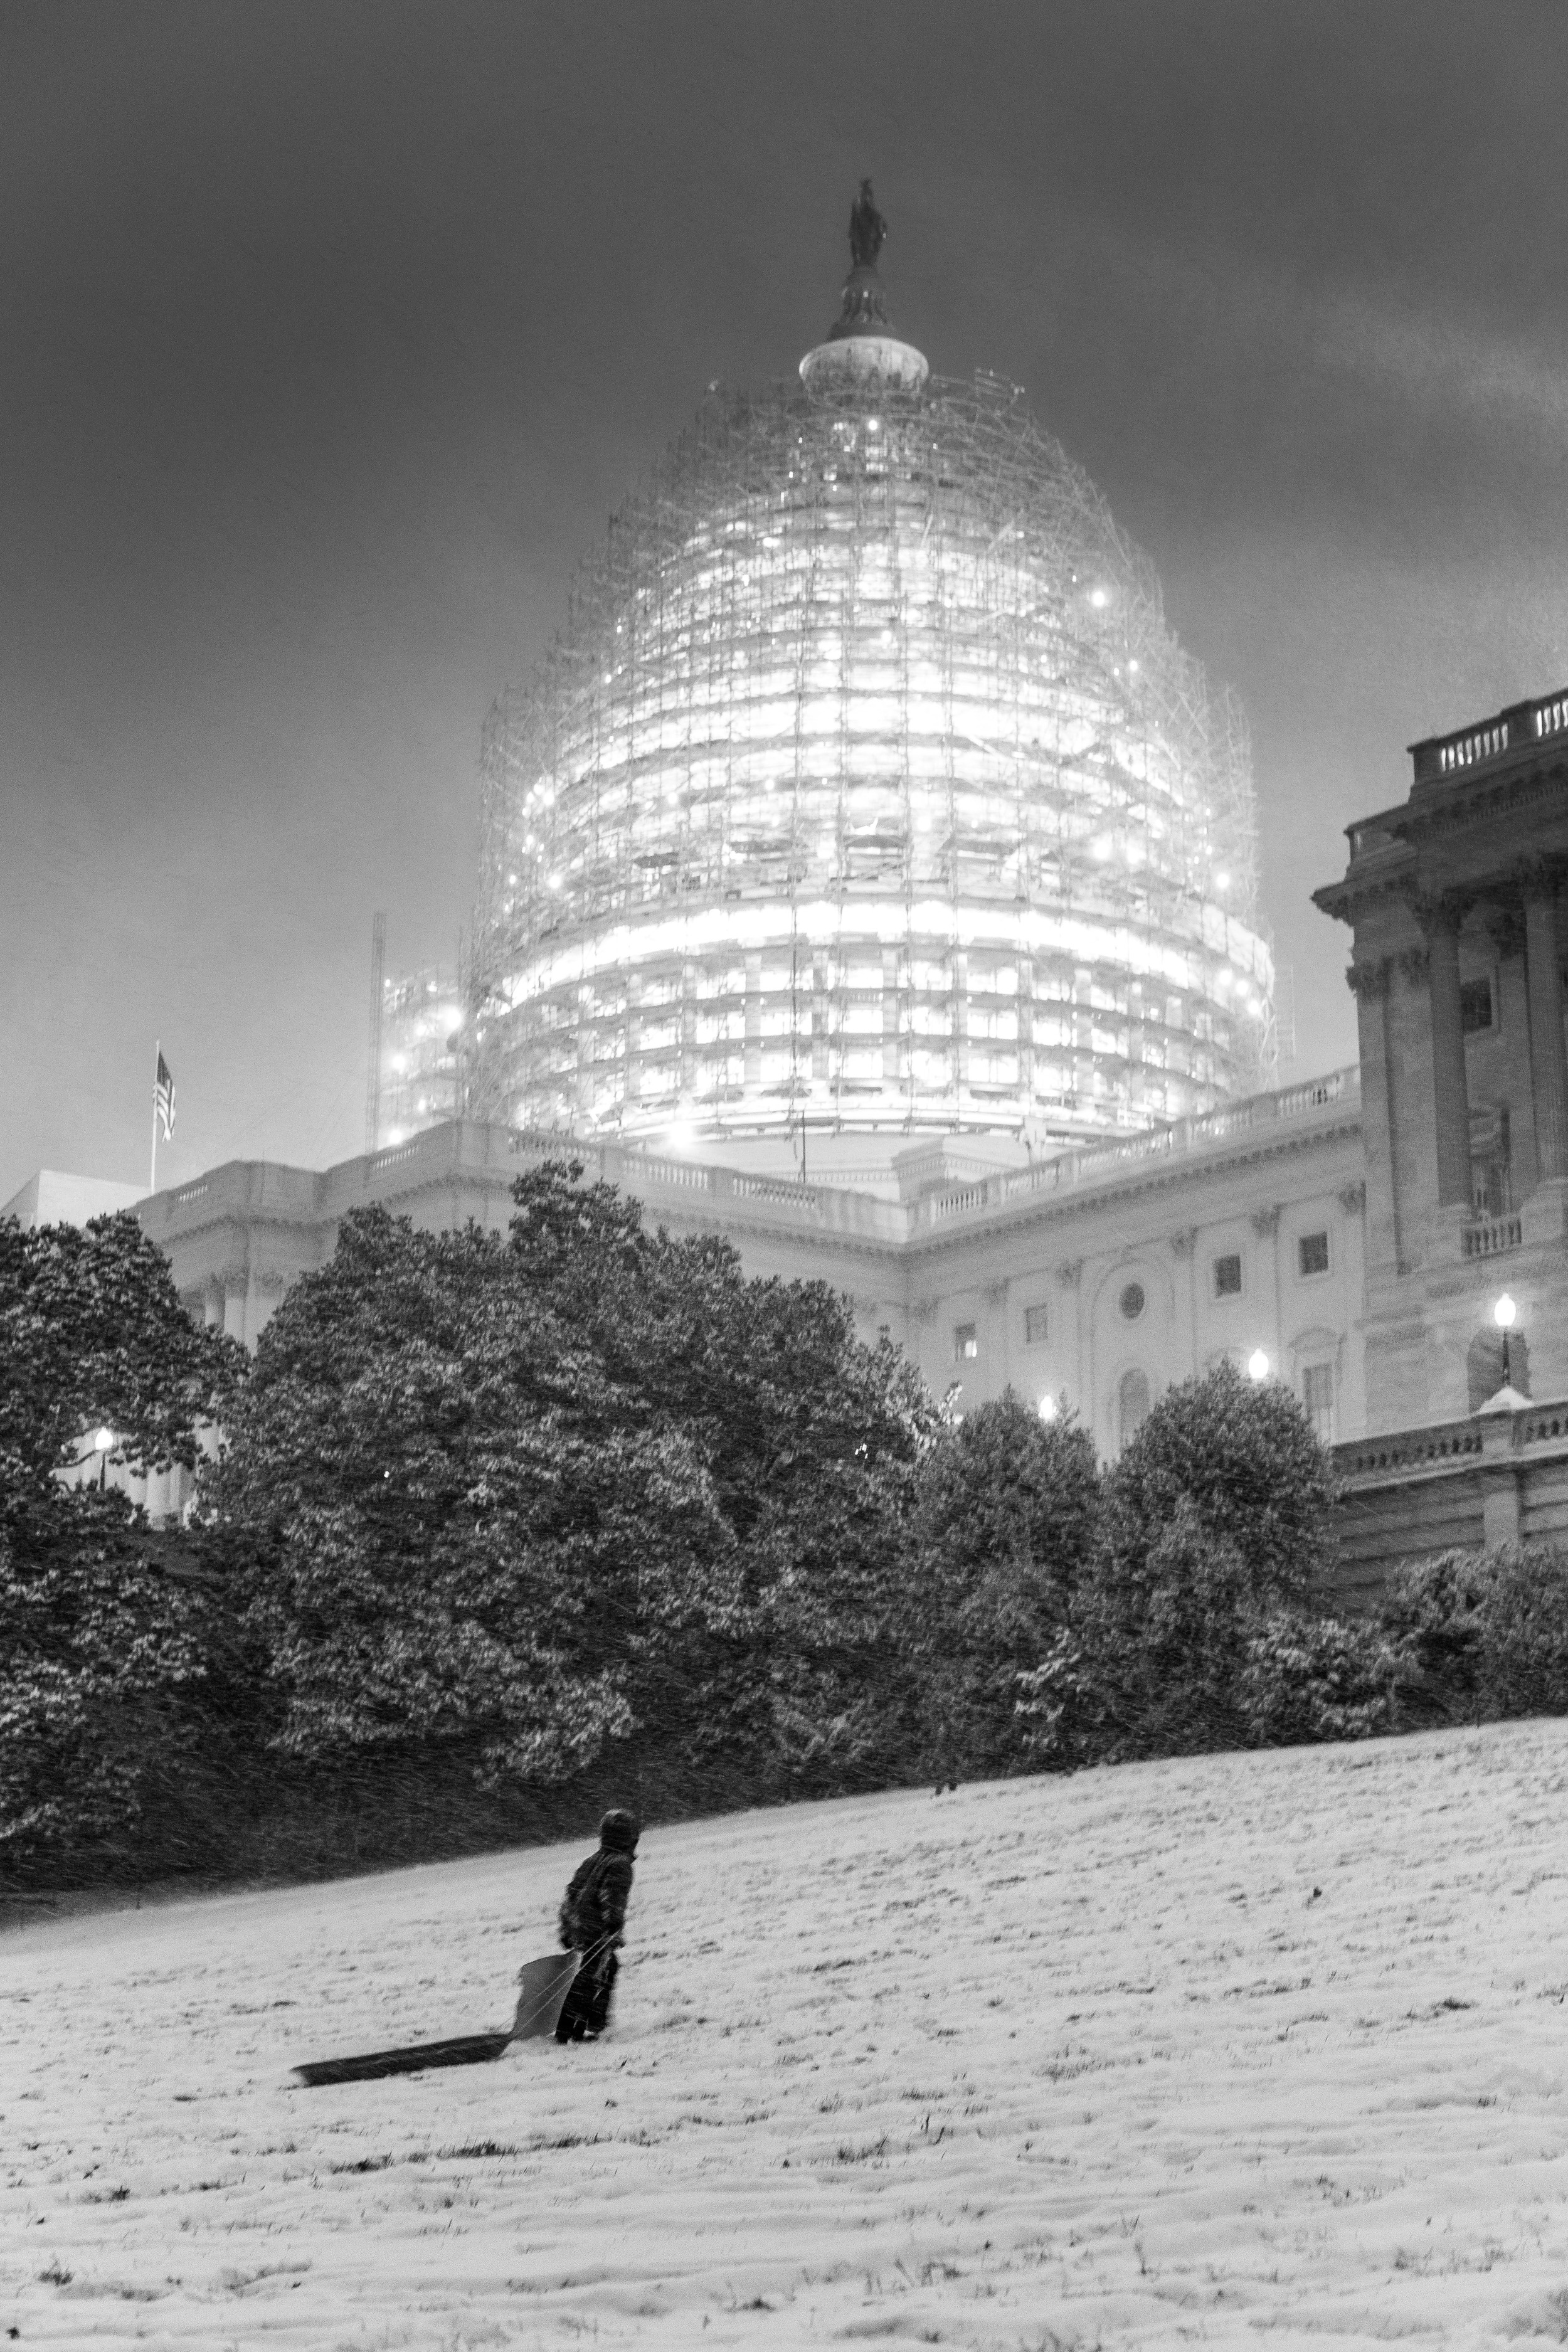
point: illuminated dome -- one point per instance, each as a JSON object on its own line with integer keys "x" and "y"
{"x": 865, "y": 793}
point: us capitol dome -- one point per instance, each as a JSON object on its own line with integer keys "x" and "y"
{"x": 865, "y": 798}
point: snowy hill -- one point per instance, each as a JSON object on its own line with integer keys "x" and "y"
{"x": 1040, "y": 2064}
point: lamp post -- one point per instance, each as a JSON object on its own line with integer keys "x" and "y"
{"x": 1048, "y": 1408}
{"x": 1257, "y": 1365}
{"x": 1504, "y": 1315}
{"x": 103, "y": 1446}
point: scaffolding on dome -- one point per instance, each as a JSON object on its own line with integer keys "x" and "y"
{"x": 866, "y": 790}
{"x": 418, "y": 1082}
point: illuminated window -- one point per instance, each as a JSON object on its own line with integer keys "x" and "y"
{"x": 1035, "y": 1326}
{"x": 1312, "y": 1254}
{"x": 1318, "y": 1396}
{"x": 965, "y": 1344}
{"x": 1227, "y": 1276}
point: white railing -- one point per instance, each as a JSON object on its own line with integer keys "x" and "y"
{"x": 1074, "y": 1168}
{"x": 1466, "y": 750}
{"x": 394, "y": 1157}
{"x": 1444, "y": 1444}
{"x": 776, "y": 1188}
{"x": 684, "y": 1172}
{"x": 955, "y": 1204}
{"x": 1490, "y": 1236}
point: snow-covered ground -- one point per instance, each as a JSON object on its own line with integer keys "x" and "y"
{"x": 1040, "y": 2064}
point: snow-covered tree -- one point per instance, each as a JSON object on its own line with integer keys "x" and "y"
{"x": 98, "y": 1639}
{"x": 525, "y": 1496}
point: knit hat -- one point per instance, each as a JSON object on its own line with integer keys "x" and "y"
{"x": 619, "y": 1831}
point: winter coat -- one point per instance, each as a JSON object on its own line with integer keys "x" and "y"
{"x": 594, "y": 1906}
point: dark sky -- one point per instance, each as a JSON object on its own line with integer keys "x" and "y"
{"x": 331, "y": 334}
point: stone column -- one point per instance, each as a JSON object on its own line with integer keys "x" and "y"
{"x": 997, "y": 1323}
{"x": 1185, "y": 1250}
{"x": 236, "y": 1290}
{"x": 1265, "y": 1225}
{"x": 1070, "y": 1276}
{"x": 1545, "y": 983}
{"x": 1450, "y": 1090}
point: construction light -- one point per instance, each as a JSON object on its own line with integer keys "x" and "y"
{"x": 841, "y": 729}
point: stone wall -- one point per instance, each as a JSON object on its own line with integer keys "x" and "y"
{"x": 1454, "y": 1485}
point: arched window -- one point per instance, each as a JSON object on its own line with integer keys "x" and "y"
{"x": 1132, "y": 1407}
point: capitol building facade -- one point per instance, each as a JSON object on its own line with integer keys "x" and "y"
{"x": 869, "y": 876}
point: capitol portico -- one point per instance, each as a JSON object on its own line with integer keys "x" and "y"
{"x": 1453, "y": 900}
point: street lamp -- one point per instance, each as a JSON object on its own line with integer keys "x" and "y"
{"x": 1048, "y": 1408}
{"x": 1257, "y": 1365}
{"x": 1504, "y": 1315}
{"x": 103, "y": 1446}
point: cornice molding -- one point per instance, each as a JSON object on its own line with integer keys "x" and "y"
{"x": 1483, "y": 799}
{"x": 1163, "y": 1177}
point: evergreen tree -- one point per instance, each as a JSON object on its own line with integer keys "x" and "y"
{"x": 1003, "y": 1522}
{"x": 101, "y": 1635}
{"x": 527, "y": 1496}
{"x": 1193, "y": 1627}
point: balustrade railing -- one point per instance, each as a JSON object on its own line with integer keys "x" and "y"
{"x": 1490, "y": 1236}
{"x": 1468, "y": 751}
{"x": 1070, "y": 1169}
{"x": 1522, "y": 724}
{"x": 1449, "y": 1442}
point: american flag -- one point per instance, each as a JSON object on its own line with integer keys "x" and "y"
{"x": 163, "y": 1099}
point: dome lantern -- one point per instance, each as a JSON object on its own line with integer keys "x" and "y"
{"x": 861, "y": 346}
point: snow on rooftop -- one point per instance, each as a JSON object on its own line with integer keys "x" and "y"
{"x": 1085, "y": 2061}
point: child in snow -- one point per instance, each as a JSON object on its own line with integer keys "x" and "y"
{"x": 592, "y": 1915}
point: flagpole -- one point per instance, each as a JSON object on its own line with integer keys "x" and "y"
{"x": 152, "y": 1175}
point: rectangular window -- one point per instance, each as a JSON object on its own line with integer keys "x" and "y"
{"x": 1034, "y": 1326}
{"x": 1318, "y": 1396}
{"x": 1475, "y": 1005}
{"x": 966, "y": 1345}
{"x": 1312, "y": 1254}
{"x": 1227, "y": 1276}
